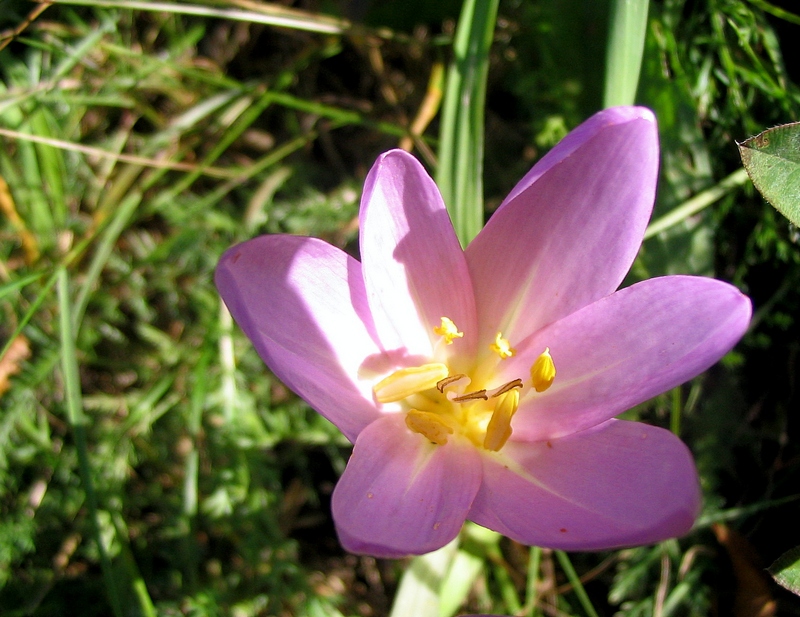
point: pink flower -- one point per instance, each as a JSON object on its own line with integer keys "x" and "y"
{"x": 482, "y": 384}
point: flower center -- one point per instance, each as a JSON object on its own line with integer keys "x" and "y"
{"x": 438, "y": 403}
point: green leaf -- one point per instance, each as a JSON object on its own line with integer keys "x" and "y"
{"x": 420, "y": 587}
{"x": 772, "y": 160}
{"x": 786, "y": 570}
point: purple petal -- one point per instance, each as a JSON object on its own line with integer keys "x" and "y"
{"x": 618, "y": 484}
{"x": 414, "y": 268}
{"x": 569, "y": 231}
{"x": 401, "y": 494}
{"x": 302, "y": 303}
{"x": 625, "y": 349}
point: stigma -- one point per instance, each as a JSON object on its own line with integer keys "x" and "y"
{"x": 448, "y": 330}
{"x": 502, "y": 347}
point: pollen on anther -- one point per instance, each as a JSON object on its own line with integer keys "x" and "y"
{"x": 502, "y": 347}
{"x": 448, "y": 330}
{"x": 543, "y": 371}
{"x": 407, "y": 381}
{"x": 499, "y": 428}
{"x": 430, "y": 425}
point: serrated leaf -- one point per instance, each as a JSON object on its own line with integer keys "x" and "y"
{"x": 786, "y": 570}
{"x": 772, "y": 160}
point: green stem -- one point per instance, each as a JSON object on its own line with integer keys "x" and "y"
{"x": 675, "y": 412}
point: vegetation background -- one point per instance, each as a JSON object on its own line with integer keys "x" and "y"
{"x": 141, "y": 139}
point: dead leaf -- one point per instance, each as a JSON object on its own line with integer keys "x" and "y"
{"x": 11, "y": 362}
{"x": 753, "y": 597}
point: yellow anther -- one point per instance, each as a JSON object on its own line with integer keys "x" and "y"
{"x": 448, "y": 330}
{"x": 499, "y": 429}
{"x": 502, "y": 347}
{"x": 543, "y": 371}
{"x": 407, "y": 381}
{"x": 430, "y": 425}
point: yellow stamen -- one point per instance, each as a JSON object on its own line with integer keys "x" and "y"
{"x": 499, "y": 429}
{"x": 407, "y": 381}
{"x": 543, "y": 371}
{"x": 502, "y": 347}
{"x": 448, "y": 330}
{"x": 430, "y": 425}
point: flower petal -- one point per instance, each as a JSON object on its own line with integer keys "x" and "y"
{"x": 568, "y": 233}
{"x": 617, "y": 484}
{"x": 302, "y": 303}
{"x": 401, "y": 494}
{"x": 414, "y": 268}
{"x": 625, "y": 349}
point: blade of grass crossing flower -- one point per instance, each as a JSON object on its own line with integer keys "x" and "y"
{"x": 420, "y": 587}
{"x": 69, "y": 367}
{"x": 460, "y": 171}
{"x": 625, "y": 48}
{"x": 575, "y": 581}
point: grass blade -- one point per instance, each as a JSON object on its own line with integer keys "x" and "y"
{"x": 625, "y": 49}
{"x": 460, "y": 171}
{"x": 575, "y": 581}
{"x": 77, "y": 421}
